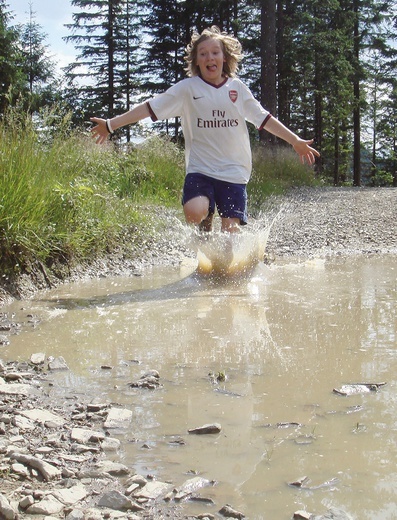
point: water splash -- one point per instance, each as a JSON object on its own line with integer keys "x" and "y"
{"x": 230, "y": 254}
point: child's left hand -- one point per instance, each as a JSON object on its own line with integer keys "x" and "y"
{"x": 99, "y": 132}
{"x": 305, "y": 151}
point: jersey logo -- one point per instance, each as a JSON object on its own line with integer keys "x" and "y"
{"x": 233, "y": 95}
{"x": 197, "y": 97}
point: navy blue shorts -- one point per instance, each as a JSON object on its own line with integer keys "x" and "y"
{"x": 229, "y": 199}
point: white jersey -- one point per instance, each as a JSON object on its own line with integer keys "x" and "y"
{"x": 213, "y": 120}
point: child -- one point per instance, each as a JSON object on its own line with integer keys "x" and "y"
{"x": 213, "y": 105}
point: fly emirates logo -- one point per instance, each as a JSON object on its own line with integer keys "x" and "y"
{"x": 218, "y": 120}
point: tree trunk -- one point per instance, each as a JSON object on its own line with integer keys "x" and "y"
{"x": 268, "y": 62}
{"x": 336, "y": 155}
{"x": 356, "y": 113}
{"x": 282, "y": 72}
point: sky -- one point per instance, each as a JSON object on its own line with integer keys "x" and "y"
{"x": 51, "y": 15}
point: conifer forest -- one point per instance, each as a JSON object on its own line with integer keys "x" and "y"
{"x": 325, "y": 68}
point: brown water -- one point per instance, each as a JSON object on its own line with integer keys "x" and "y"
{"x": 285, "y": 337}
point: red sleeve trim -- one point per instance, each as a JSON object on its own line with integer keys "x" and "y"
{"x": 265, "y": 121}
{"x": 152, "y": 114}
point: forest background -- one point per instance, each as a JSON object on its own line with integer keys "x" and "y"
{"x": 327, "y": 69}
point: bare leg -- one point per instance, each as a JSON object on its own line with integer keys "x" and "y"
{"x": 196, "y": 210}
{"x": 231, "y": 225}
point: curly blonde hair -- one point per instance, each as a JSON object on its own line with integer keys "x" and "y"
{"x": 231, "y": 49}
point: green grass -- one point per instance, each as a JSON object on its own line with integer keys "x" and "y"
{"x": 65, "y": 199}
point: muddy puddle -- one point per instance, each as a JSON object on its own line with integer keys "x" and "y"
{"x": 284, "y": 337}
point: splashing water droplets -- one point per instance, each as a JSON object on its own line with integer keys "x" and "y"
{"x": 230, "y": 254}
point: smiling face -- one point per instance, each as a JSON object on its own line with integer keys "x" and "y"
{"x": 210, "y": 60}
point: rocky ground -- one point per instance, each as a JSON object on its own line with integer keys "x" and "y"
{"x": 56, "y": 459}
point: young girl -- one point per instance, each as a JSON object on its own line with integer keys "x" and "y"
{"x": 213, "y": 106}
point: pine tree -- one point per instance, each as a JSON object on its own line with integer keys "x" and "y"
{"x": 11, "y": 77}
{"x": 37, "y": 65}
{"x": 379, "y": 114}
{"x": 103, "y": 74}
{"x": 268, "y": 61}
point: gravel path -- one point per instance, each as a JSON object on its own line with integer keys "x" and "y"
{"x": 333, "y": 221}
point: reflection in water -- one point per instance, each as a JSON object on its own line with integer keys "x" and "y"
{"x": 285, "y": 336}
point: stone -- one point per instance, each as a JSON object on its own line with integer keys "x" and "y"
{"x": 115, "y": 500}
{"x": 153, "y": 490}
{"x": 150, "y": 380}
{"x": 118, "y": 418}
{"x": 47, "y": 506}
{"x": 75, "y": 514}
{"x": 38, "y": 358}
{"x": 130, "y": 489}
{"x": 43, "y": 416}
{"x": 48, "y": 471}
{"x": 206, "y": 429}
{"x": 20, "y": 469}
{"x": 6, "y": 510}
{"x": 17, "y": 389}
{"x": 302, "y": 515}
{"x": 96, "y": 407}
{"x": 110, "y": 444}
{"x": 190, "y": 486}
{"x": 229, "y": 512}
{"x": 137, "y": 479}
{"x": 112, "y": 468}
{"x": 358, "y": 388}
{"x": 58, "y": 363}
{"x": 71, "y": 495}
{"x": 83, "y": 436}
{"x": 26, "y": 502}
{"x": 23, "y": 423}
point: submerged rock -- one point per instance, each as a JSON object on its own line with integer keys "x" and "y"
{"x": 302, "y": 515}
{"x": 206, "y": 429}
{"x": 303, "y": 483}
{"x": 150, "y": 380}
{"x": 358, "y": 388}
{"x": 331, "y": 514}
{"x": 118, "y": 418}
{"x": 38, "y": 358}
{"x": 57, "y": 363}
{"x": 229, "y": 512}
{"x": 190, "y": 486}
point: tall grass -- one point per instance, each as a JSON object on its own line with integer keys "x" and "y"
{"x": 64, "y": 197}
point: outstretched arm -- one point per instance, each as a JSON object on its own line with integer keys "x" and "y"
{"x": 301, "y": 147}
{"x": 101, "y": 131}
